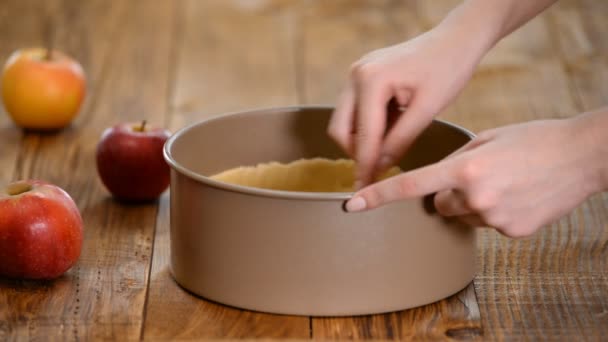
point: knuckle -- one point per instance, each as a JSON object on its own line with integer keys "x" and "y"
{"x": 406, "y": 186}
{"x": 469, "y": 172}
{"x": 364, "y": 71}
{"x": 334, "y": 132}
{"x": 495, "y": 219}
{"x": 365, "y": 164}
{"x": 443, "y": 204}
{"x": 475, "y": 203}
{"x": 363, "y": 135}
{"x": 339, "y": 136}
{"x": 485, "y": 135}
{"x": 440, "y": 206}
{"x": 367, "y": 139}
{"x": 482, "y": 201}
{"x": 427, "y": 109}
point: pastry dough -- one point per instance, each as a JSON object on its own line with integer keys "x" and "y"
{"x": 308, "y": 175}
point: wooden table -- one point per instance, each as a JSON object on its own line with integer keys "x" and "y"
{"x": 175, "y": 62}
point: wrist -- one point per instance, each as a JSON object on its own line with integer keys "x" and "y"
{"x": 602, "y": 147}
{"x": 488, "y": 21}
{"x": 591, "y": 131}
{"x": 475, "y": 26}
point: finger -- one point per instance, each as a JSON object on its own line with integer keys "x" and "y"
{"x": 393, "y": 112}
{"x": 466, "y": 147}
{"x": 401, "y": 136}
{"x": 476, "y": 142}
{"x": 396, "y": 107}
{"x": 370, "y": 124}
{"x": 341, "y": 123}
{"x": 451, "y": 203}
{"x": 416, "y": 183}
{"x": 403, "y": 96}
{"x": 472, "y": 220}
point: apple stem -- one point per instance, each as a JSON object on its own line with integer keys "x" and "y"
{"x": 143, "y": 125}
{"x": 18, "y": 188}
{"x": 49, "y": 54}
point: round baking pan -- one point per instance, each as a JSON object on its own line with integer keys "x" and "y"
{"x": 299, "y": 252}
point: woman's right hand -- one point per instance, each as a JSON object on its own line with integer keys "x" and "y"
{"x": 515, "y": 178}
{"x": 422, "y": 75}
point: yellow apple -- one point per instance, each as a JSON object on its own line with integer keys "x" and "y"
{"x": 42, "y": 91}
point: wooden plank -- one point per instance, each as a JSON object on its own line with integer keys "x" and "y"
{"x": 589, "y": 78}
{"x": 508, "y": 94}
{"x": 232, "y": 55}
{"x": 29, "y": 32}
{"x": 124, "y": 48}
{"x": 579, "y": 28}
{"x": 334, "y": 35}
{"x": 456, "y": 317}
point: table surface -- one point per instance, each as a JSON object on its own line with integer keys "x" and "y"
{"x": 175, "y": 62}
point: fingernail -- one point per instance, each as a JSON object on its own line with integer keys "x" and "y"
{"x": 385, "y": 162}
{"x": 356, "y": 204}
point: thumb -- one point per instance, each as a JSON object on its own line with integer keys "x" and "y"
{"x": 413, "y": 184}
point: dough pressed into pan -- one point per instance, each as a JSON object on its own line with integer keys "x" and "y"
{"x": 307, "y": 175}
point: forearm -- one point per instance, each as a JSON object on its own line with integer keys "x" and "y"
{"x": 509, "y": 15}
{"x": 487, "y": 21}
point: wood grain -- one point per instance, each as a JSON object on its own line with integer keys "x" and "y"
{"x": 124, "y": 49}
{"x": 513, "y": 94}
{"x": 332, "y": 38}
{"x": 333, "y": 35}
{"x": 456, "y": 317}
{"x": 577, "y": 29}
{"x": 29, "y": 32}
{"x": 231, "y": 56}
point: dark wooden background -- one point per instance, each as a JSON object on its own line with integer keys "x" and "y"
{"x": 175, "y": 62}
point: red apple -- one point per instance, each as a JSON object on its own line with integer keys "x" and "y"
{"x": 130, "y": 161}
{"x": 40, "y": 230}
{"x": 42, "y": 90}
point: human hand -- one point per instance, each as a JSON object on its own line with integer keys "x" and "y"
{"x": 423, "y": 75}
{"x": 515, "y": 179}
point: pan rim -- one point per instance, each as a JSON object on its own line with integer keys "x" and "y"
{"x": 280, "y": 194}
